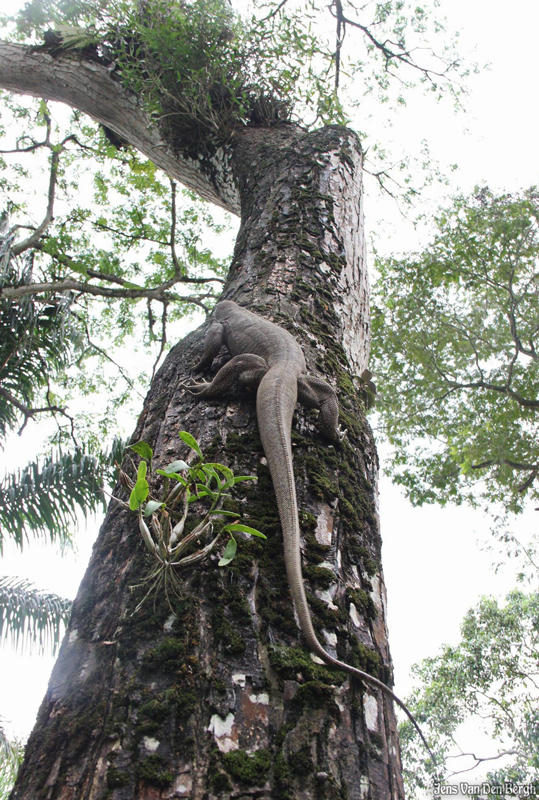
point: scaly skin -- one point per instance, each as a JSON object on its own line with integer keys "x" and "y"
{"x": 268, "y": 357}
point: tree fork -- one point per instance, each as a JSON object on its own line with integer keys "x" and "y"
{"x": 90, "y": 87}
{"x": 211, "y": 693}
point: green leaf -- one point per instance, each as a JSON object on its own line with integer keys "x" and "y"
{"x": 175, "y": 466}
{"x": 221, "y": 512}
{"x": 226, "y": 471}
{"x": 173, "y": 475}
{"x": 139, "y": 493}
{"x": 151, "y": 507}
{"x": 230, "y": 552}
{"x": 142, "y": 470}
{"x": 143, "y": 449}
{"x": 205, "y": 491}
{"x": 240, "y": 528}
{"x": 43, "y": 497}
{"x": 242, "y": 478}
{"x": 191, "y": 441}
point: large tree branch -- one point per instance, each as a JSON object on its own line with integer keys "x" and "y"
{"x": 90, "y": 87}
{"x": 159, "y": 293}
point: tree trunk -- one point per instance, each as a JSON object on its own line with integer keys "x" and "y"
{"x": 211, "y": 694}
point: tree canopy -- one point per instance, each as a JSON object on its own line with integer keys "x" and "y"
{"x": 456, "y": 355}
{"x": 490, "y": 676}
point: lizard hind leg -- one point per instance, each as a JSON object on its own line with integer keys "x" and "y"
{"x": 313, "y": 392}
{"x": 247, "y": 368}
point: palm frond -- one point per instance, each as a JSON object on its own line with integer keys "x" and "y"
{"x": 43, "y": 498}
{"x": 31, "y": 617}
{"x": 38, "y": 335}
{"x": 11, "y": 755}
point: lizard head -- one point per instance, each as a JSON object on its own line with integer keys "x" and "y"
{"x": 225, "y": 309}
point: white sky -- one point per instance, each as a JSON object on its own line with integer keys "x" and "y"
{"x": 434, "y": 569}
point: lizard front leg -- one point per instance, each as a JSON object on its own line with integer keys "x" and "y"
{"x": 247, "y": 368}
{"x": 315, "y": 393}
{"x": 212, "y": 344}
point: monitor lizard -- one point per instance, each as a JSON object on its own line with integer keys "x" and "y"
{"x": 267, "y": 357}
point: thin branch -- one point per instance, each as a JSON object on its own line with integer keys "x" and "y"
{"x": 172, "y": 242}
{"x": 62, "y": 411}
{"x": 71, "y": 262}
{"x": 34, "y": 237}
{"x": 522, "y": 401}
{"x": 129, "y": 236}
{"x": 29, "y": 413}
{"x": 508, "y": 462}
{"x": 482, "y": 384}
{"x": 29, "y": 149}
{"x": 339, "y": 39}
{"x": 56, "y": 151}
{"x": 403, "y": 56}
{"x": 163, "y": 339}
{"x": 274, "y": 12}
{"x": 159, "y": 293}
{"x": 102, "y": 276}
{"x": 26, "y": 410}
{"x": 107, "y": 356}
{"x": 479, "y": 760}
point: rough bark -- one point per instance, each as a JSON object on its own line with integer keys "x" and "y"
{"x": 211, "y": 694}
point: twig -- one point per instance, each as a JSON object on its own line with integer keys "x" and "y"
{"x": 34, "y": 237}
{"x": 404, "y": 56}
{"x": 479, "y": 760}
{"x": 172, "y": 242}
{"x": 106, "y": 355}
{"x": 163, "y": 339}
{"x": 26, "y": 410}
{"x": 275, "y": 11}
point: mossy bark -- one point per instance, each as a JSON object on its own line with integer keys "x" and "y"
{"x": 211, "y": 693}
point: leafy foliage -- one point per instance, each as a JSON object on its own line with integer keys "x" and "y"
{"x": 203, "y": 69}
{"x": 455, "y": 348}
{"x": 11, "y": 755}
{"x": 204, "y": 484}
{"x": 198, "y": 69}
{"x": 55, "y": 344}
{"x": 37, "y": 338}
{"x": 44, "y": 498}
{"x": 492, "y": 675}
{"x": 31, "y": 616}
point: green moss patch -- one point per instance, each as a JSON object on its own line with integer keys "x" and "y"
{"x": 289, "y": 661}
{"x": 251, "y": 769}
{"x": 320, "y": 576}
{"x": 154, "y": 770}
{"x": 116, "y": 777}
{"x": 362, "y": 601}
{"x": 314, "y": 694}
{"x": 167, "y": 656}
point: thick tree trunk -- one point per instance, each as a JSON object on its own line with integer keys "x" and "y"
{"x": 211, "y": 694}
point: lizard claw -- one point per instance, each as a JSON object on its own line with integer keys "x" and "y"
{"x": 341, "y": 433}
{"x": 194, "y": 388}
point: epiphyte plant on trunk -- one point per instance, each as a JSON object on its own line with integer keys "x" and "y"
{"x": 163, "y": 511}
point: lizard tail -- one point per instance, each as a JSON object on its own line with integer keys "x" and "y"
{"x": 275, "y": 403}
